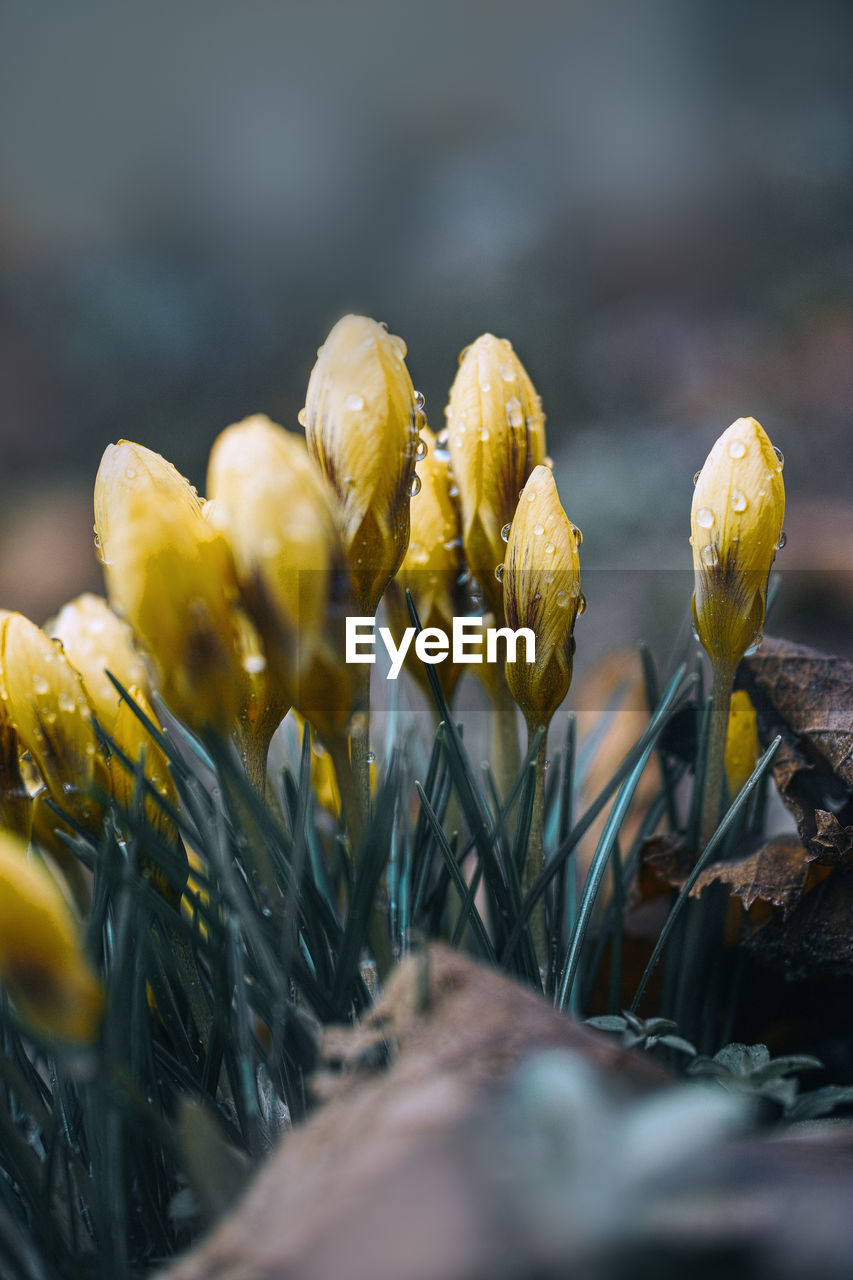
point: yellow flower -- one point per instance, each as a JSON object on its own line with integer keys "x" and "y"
{"x": 736, "y": 529}
{"x": 742, "y": 746}
{"x": 278, "y": 515}
{"x": 41, "y": 955}
{"x": 542, "y": 591}
{"x": 361, "y": 428}
{"x": 196, "y": 897}
{"x": 433, "y": 567}
{"x": 131, "y": 737}
{"x": 95, "y": 641}
{"x": 169, "y": 573}
{"x": 47, "y": 703}
{"x": 496, "y": 436}
{"x": 324, "y": 783}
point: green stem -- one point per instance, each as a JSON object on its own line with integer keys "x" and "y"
{"x": 715, "y": 765}
{"x": 360, "y": 740}
{"x": 350, "y": 792}
{"x": 507, "y": 755}
{"x": 535, "y": 861}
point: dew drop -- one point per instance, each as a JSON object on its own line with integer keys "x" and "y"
{"x": 415, "y": 486}
{"x": 696, "y": 475}
{"x": 420, "y": 399}
{"x": 780, "y": 457}
{"x": 549, "y": 463}
{"x": 453, "y": 491}
{"x": 709, "y": 556}
{"x": 737, "y": 449}
{"x": 485, "y": 387}
{"x": 484, "y": 435}
{"x": 399, "y": 346}
{"x": 302, "y": 417}
{"x": 782, "y": 542}
{"x": 538, "y": 528}
{"x": 441, "y": 439}
{"x": 507, "y": 372}
{"x": 705, "y": 517}
{"x": 66, "y": 702}
{"x": 50, "y": 716}
{"x": 575, "y": 588}
{"x": 577, "y": 535}
{"x": 755, "y": 646}
{"x": 499, "y": 573}
{"x": 549, "y": 548}
{"x": 254, "y": 664}
{"x": 505, "y": 532}
{"x": 354, "y": 402}
{"x": 130, "y": 473}
{"x": 547, "y": 764}
{"x": 463, "y": 577}
{"x": 562, "y": 598}
{"x": 421, "y": 451}
{"x": 514, "y": 415}
{"x": 371, "y": 757}
{"x": 531, "y": 496}
{"x": 738, "y": 500}
{"x": 40, "y": 685}
{"x": 97, "y": 539}
{"x": 581, "y": 605}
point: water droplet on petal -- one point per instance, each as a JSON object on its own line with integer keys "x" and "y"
{"x": 40, "y": 685}
{"x": 710, "y": 556}
{"x": 453, "y": 491}
{"x": 505, "y": 532}
{"x": 507, "y": 372}
{"x": 538, "y": 528}
{"x": 531, "y": 496}
{"x": 737, "y": 449}
{"x": 254, "y": 664}
{"x": 783, "y": 539}
{"x": 499, "y": 572}
{"x": 575, "y": 588}
{"x": 514, "y": 415}
{"x": 421, "y": 451}
{"x": 696, "y": 475}
{"x": 130, "y": 473}
{"x": 780, "y": 457}
{"x": 738, "y": 500}
{"x": 577, "y": 535}
{"x": 485, "y": 387}
{"x": 581, "y": 605}
{"x": 415, "y": 487}
{"x": 549, "y": 548}
{"x": 562, "y": 598}
{"x": 66, "y": 702}
{"x": 420, "y": 399}
{"x": 354, "y": 402}
{"x": 371, "y": 756}
{"x": 705, "y": 517}
{"x": 302, "y": 417}
{"x": 755, "y": 646}
{"x": 399, "y": 346}
{"x": 484, "y": 435}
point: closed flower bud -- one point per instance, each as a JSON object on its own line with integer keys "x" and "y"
{"x": 736, "y": 529}
{"x": 42, "y": 960}
{"x": 361, "y": 429}
{"x": 496, "y": 436}
{"x": 169, "y": 573}
{"x": 742, "y": 746}
{"x": 542, "y": 591}
{"x": 47, "y": 703}
{"x": 433, "y": 567}
{"x": 95, "y": 641}
{"x": 278, "y": 515}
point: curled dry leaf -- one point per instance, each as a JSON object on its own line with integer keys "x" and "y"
{"x": 807, "y": 697}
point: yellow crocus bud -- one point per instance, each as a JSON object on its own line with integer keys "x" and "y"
{"x": 496, "y": 436}
{"x": 42, "y": 960}
{"x": 95, "y": 641}
{"x": 433, "y": 567}
{"x": 47, "y": 703}
{"x": 736, "y": 530}
{"x": 278, "y": 515}
{"x": 542, "y": 591}
{"x": 169, "y": 573}
{"x": 132, "y": 738}
{"x": 361, "y": 428}
{"x": 742, "y": 746}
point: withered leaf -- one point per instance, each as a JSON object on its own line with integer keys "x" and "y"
{"x": 815, "y": 940}
{"x": 776, "y": 873}
{"x": 807, "y": 697}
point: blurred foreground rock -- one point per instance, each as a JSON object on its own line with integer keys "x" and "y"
{"x": 470, "y": 1131}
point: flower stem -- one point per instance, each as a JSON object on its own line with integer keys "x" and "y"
{"x": 350, "y": 793}
{"x": 360, "y": 742}
{"x": 535, "y": 860}
{"x": 507, "y": 756}
{"x": 716, "y": 753}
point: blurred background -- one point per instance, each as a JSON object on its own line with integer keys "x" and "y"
{"x": 653, "y": 202}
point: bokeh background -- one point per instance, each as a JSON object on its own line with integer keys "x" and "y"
{"x": 653, "y": 201}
